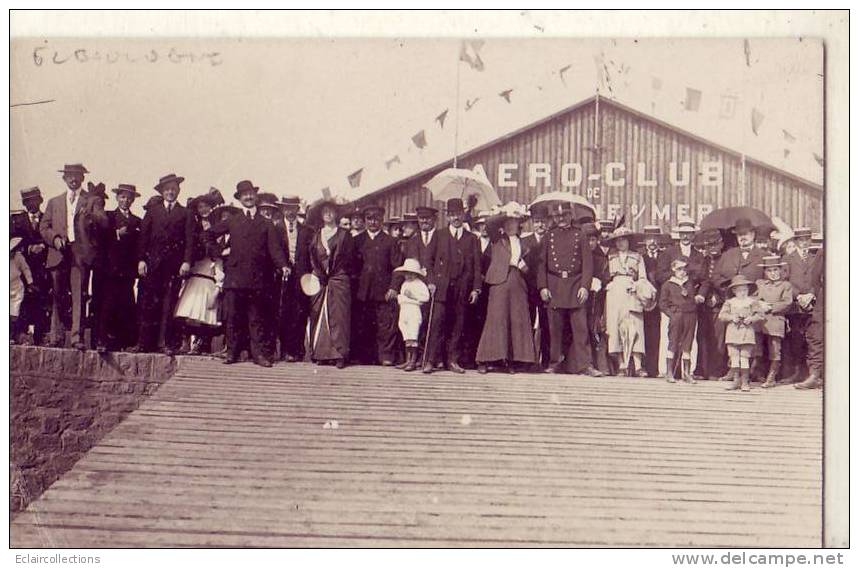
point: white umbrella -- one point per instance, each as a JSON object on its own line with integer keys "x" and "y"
{"x": 461, "y": 183}
{"x": 567, "y": 197}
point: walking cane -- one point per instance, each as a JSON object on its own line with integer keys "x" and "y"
{"x": 429, "y": 328}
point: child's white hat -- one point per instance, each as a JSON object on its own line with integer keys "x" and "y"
{"x": 412, "y": 265}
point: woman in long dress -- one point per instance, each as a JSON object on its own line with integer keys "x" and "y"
{"x": 507, "y": 336}
{"x": 624, "y": 315}
{"x": 332, "y": 258}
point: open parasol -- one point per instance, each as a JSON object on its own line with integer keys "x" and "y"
{"x": 457, "y": 182}
{"x": 726, "y": 217}
{"x": 582, "y": 208}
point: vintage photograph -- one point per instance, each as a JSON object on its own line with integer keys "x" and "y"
{"x": 418, "y": 290}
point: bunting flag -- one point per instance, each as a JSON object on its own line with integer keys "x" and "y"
{"x": 355, "y": 178}
{"x": 441, "y": 118}
{"x": 392, "y": 161}
{"x": 693, "y": 99}
{"x": 420, "y": 139}
{"x": 819, "y": 159}
{"x": 472, "y": 102}
{"x": 747, "y": 49}
{"x": 786, "y": 152}
{"x": 757, "y": 120}
{"x": 561, "y": 72}
{"x": 505, "y": 94}
{"x": 728, "y": 106}
{"x": 469, "y": 52}
{"x": 788, "y": 137}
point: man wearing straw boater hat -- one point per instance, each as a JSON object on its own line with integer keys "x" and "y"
{"x": 164, "y": 252}
{"x": 68, "y": 277}
{"x": 798, "y": 271}
{"x": 118, "y": 313}
{"x": 377, "y": 255}
{"x": 686, "y": 230}
{"x": 294, "y": 304}
{"x": 36, "y": 308}
{"x": 256, "y": 250}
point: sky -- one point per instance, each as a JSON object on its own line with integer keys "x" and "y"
{"x": 297, "y": 115}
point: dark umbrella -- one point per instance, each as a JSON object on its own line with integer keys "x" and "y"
{"x": 726, "y": 217}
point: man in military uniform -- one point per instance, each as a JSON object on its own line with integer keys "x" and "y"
{"x": 564, "y": 274}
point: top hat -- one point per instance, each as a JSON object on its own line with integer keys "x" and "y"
{"x": 652, "y": 231}
{"x": 743, "y": 225}
{"x": 802, "y": 233}
{"x": 410, "y": 218}
{"x": 425, "y": 211}
{"x": 412, "y": 265}
{"x": 371, "y": 209}
{"x": 167, "y": 179}
{"x": 772, "y": 261}
{"x": 245, "y": 185}
{"x": 31, "y": 193}
{"x": 685, "y": 226}
{"x": 126, "y": 188}
{"x": 539, "y": 211}
{"x": 267, "y": 200}
{"x": 290, "y": 202}
{"x": 74, "y": 169}
{"x": 454, "y": 205}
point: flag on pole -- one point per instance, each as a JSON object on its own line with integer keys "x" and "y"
{"x": 441, "y": 118}
{"x": 505, "y": 94}
{"x": 693, "y": 99}
{"x": 326, "y": 193}
{"x": 420, "y": 139}
{"x": 355, "y": 178}
{"x": 469, "y": 52}
{"x": 757, "y": 120}
{"x": 392, "y": 161}
{"x": 561, "y": 72}
{"x": 472, "y": 102}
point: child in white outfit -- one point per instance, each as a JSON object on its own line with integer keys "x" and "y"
{"x": 413, "y": 293}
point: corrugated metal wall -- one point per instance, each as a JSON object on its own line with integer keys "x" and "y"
{"x": 642, "y": 182}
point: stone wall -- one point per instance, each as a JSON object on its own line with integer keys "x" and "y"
{"x": 63, "y": 402}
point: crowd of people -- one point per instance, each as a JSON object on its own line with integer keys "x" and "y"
{"x": 344, "y": 285}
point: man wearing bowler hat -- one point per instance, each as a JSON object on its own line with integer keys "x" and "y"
{"x": 537, "y": 310}
{"x": 294, "y": 304}
{"x": 377, "y": 255}
{"x": 118, "y": 312}
{"x": 564, "y": 275}
{"x": 452, "y": 260}
{"x": 165, "y": 250}
{"x": 58, "y": 229}
{"x": 256, "y": 251}
{"x": 36, "y": 308}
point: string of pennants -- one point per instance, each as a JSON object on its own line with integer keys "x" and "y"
{"x": 611, "y": 76}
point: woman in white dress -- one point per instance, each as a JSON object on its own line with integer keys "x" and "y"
{"x": 624, "y": 312}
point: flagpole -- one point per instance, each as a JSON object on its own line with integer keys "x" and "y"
{"x": 456, "y": 128}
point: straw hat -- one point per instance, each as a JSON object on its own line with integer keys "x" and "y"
{"x": 413, "y": 266}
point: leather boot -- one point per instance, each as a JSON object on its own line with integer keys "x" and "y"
{"x": 744, "y": 380}
{"x": 733, "y": 373}
{"x": 411, "y": 359}
{"x": 669, "y": 370}
{"x": 687, "y": 371}
{"x": 812, "y": 382}
{"x": 771, "y": 375}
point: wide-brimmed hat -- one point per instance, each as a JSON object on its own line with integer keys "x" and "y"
{"x": 126, "y": 188}
{"x": 743, "y": 225}
{"x": 74, "y": 169}
{"x": 685, "y": 226}
{"x": 412, "y": 265}
{"x": 772, "y": 261}
{"x": 224, "y": 208}
{"x": 314, "y": 213}
{"x": 368, "y": 209}
{"x": 243, "y": 186}
{"x": 167, "y": 179}
{"x": 454, "y": 205}
{"x": 213, "y": 197}
{"x": 15, "y": 242}
{"x": 740, "y": 280}
{"x": 425, "y": 210}
{"x": 267, "y": 200}
{"x": 621, "y": 233}
{"x": 481, "y": 217}
{"x": 31, "y": 193}
{"x": 290, "y": 202}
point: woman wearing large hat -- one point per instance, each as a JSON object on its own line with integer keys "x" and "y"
{"x": 332, "y": 258}
{"x": 627, "y": 286}
{"x": 507, "y": 337}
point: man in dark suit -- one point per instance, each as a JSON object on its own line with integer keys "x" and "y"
{"x": 294, "y": 304}
{"x": 815, "y": 330}
{"x": 164, "y": 251}
{"x": 256, "y": 250}
{"x": 57, "y": 227}
{"x": 652, "y": 319}
{"x": 564, "y": 275}
{"x": 377, "y": 255}
{"x": 601, "y": 362}
{"x": 452, "y": 260}
{"x": 475, "y": 318}
{"x": 532, "y": 243}
{"x": 683, "y": 249}
{"x": 36, "y": 308}
{"x": 799, "y": 273}
{"x": 118, "y": 312}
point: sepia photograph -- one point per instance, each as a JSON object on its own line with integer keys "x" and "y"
{"x": 500, "y": 279}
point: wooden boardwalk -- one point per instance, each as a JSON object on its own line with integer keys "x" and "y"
{"x": 241, "y": 456}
